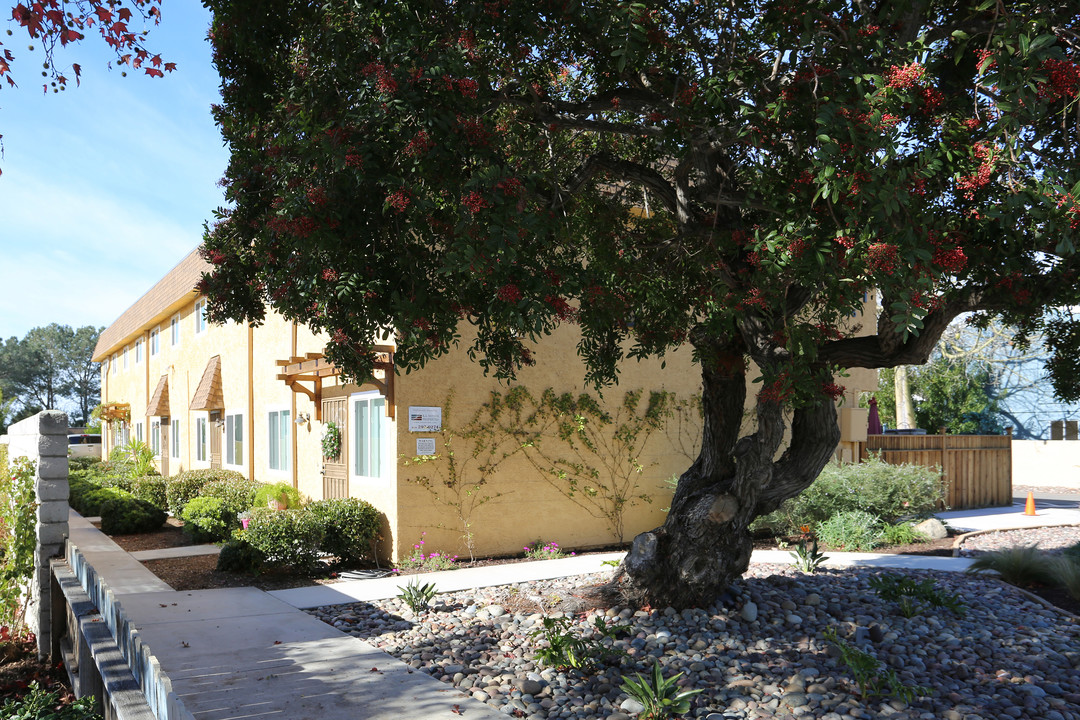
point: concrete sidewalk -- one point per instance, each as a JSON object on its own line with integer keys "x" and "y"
{"x": 1049, "y": 510}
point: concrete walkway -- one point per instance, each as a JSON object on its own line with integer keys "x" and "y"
{"x": 243, "y": 653}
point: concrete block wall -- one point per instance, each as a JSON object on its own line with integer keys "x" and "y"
{"x": 43, "y": 439}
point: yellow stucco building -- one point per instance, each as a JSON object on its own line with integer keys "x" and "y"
{"x": 257, "y": 400}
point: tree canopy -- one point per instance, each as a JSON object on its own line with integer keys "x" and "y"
{"x": 50, "y": 368}
{"x": 734, "y": 175}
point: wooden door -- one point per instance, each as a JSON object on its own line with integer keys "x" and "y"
{"x": 163, "y": 447}
{"x": 215, "y": 439}
{"x": 335, "y": 470}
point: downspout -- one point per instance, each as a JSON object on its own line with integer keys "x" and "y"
{"x": 251, "y": 400}
{"x": 292, "y": 414}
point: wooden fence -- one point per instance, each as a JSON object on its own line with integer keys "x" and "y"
{"x": 978, "y": 468}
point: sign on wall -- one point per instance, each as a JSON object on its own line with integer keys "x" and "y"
{"x": 425, "y": 419}
{"x": 425, "y": 446}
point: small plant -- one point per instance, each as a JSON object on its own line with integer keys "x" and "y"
{"x": 276, "y": 495}
{"x": 611, "y": 563}
{"x": 239, "y": 556}
{"x": 420, "y": 562}
{"x": 911, "y": 595}
{"x": 416, "y": 596}
{"x": 902, "y": 534}
{"x": 331, "y": 440}
{"x": 42, "y": 704}
{"x": 140, "y": 458}
{"x": 540, "y": 550}
{"x": 807, "y": 559}
{"x": 873, "y": 679}
{"x": 662, "y": 698}
{"x": 566, "y": 650}
{"x": 851, "y": 530}
{"x": 1023, "y": 565}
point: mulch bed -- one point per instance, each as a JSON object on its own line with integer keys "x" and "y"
{"x": 19, "y": 667}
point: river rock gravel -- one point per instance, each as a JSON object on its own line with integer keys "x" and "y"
{"x": 1007, "y": 656}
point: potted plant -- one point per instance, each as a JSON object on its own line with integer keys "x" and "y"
{"x": 244, "y": 518}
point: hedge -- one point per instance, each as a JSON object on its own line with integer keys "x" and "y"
{"x": 179, "y": 489}
{"x": 350, "y": 527}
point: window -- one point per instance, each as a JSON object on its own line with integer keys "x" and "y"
{"x": 234, "y": 439}
{"x": 138, "y": 431}
{"x": 174, "y": 438}
{"x": 200, "y": 439}
{"x": 112, "y": 363}
{"x": 200, "y": 316}
{"x": 138, "y": 351}
{"x": 120, "y": 433}
{"x": 174, "y": 330}
{"x": 369, "y": 413}
{"x": 125, "y": 357}
{"x": 155, "y": 437}
{"x": 155, "y": 346}
{"x": 279, "y": 422}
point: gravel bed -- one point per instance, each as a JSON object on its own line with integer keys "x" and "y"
{"x": 756, "y": 653}
{"x": 1051, "y": 539}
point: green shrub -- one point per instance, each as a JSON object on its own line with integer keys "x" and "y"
{"x": 1022, "y": 565}
{"x": 179, "y": 489}
{"x": 42, "y": 704}
{"x": 82, "y": 463}
{"x": 1073, "y": 552}
{"x": 18, "y": 539}
{"x": 127, "y": 514}
{"x": 276, "y": 491}
{"x": 851, "y": 530}
{"x": 350, "y": 527}
{"x": 288, "y": 538}
{"x": 239, "y": 556}
{"x": 92, "y": 501}
{"x": 888, "y": 491}
{"x": 150, "y": 488}
{"x": 204, "y": 519}
{"x": 237, "y": 495}
{"x": 902, "y": 534}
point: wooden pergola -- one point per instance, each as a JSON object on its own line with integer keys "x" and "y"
{"x": 313, "y": 367}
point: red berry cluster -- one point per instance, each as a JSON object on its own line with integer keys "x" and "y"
{"x": 474, "y": 202}
{"x": 883, "y": 258}
{"x": 906, "y": 76}
{"x": 399, "y": 200}
{"x": 509, "y": 293}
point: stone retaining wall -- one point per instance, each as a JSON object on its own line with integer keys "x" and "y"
{"x": 43, "y": 439}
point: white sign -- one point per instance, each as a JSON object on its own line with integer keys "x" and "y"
{"x": 425, "y": 419}
{"x": 425, "y": 446}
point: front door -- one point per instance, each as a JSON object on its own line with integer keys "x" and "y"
{"x": 336, "y": 468}
{"x": 215, "y": 439}
{"x": 163, "y": 447}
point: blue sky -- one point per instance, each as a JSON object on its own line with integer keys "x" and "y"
{"x": 105, "y": 186}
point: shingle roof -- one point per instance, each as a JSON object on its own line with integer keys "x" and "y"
{"x": 159, "y": 403}
{"x": 208, "y": 395}
{"x": 176, "y": 285}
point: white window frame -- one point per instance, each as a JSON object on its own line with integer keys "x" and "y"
{"x": 112, "y": 364}
{"x": 283, "y": 419}
{"x": 229, "y": 444}
{"x": 385, "y": 432}
{"x": 174, "y": 438}
{"x": 202, "y": 439}
{"x": 125, "y": 357}
{"x": 155, "y": 436}
{"x": 155, "y": 341}
{"x": 139, "y": 431}
{"x": 199, "y": 317}
{"x": 138, "y": 351}
{"x": 174, "y": 330}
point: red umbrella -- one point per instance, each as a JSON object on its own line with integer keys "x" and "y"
{"x": 873, "y": 424}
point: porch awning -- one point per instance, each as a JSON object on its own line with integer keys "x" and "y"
{"x": 159, "y": 402}
{"x": 208, "y": 395}
{"x": 313, "y": 367}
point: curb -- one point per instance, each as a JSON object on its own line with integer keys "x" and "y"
{"x": 959, "y": 540}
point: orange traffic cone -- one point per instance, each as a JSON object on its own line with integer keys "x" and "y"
{"x": 1029, "y": 508}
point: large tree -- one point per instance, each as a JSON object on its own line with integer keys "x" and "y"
{"x": 736, "y": 176}
{"x": 49, "y": 367}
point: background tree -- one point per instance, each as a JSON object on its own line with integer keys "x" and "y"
{"x": 952, "y": 394}
{"x": 732, "y": 175}
{"x": 51, "y": 368}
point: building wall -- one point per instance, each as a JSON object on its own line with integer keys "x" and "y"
{"x": 524, "y": 505}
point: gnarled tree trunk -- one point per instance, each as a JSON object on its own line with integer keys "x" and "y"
{"x": 705, "y": 542}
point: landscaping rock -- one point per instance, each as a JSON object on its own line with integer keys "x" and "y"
{"x": 932, "y": 528}
{"x": 749, "y": 612}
